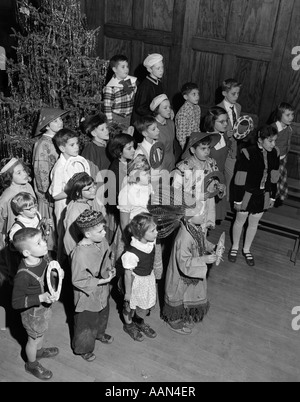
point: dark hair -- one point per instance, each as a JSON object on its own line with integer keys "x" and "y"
{"x": 204, "y": 141}
{"x": 74, "y": 188}
{"x": 22, "y": 235}
{"x": 63, "y": 136}
{"x": 211, "y": 117}
{"x": 143, "y": 123}
{"x": 117, "y": 144}
{"x": 88, "y": 125}
{"x": 115, "y": 60}
{"x": 140, "y": 224}
{"x": 230, "y": 83}
{"x": 279, "y": 111}
{"x": 188, "y": 87}
{"x": 266, "y": 132}
{"x": 21, "y": 201}
{"x": 7, "y": 177}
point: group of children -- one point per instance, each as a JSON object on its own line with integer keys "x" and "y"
{"x": 164, "y": 180}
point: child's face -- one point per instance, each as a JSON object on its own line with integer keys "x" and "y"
{"x": 20, "y": 175}
{"x": 36, "y": 247}
{"x": 89, "y": 192}
{"x": 128, "y": 152}
{"x": 56, "y": 125}
{"x": 202, "y": 152}
{"x": 97, "y": 233}
{"x": 287, "y": 117}
{"x": 122, "y": 70}
{"x": 221, "y": 123}
{"x": 193, "y": 97}
{"x": 232, "y": 96}
{"x": 165, "y": 109}
{"x": 151, "y": 234}
{"x": 30, "y": 212}
{"x": 152, "y": 132}
{"x": 144, "y": 178}
{"x": 71, "y": 148}
{"x": 269, "y": 143}
{"x": 157, "y": 71}
{"x": 101, "y": 133}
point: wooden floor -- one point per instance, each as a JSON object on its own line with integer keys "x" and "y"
{"x": 247, "y": 335}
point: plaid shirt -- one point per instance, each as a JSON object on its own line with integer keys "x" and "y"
{"x": 187, "y": 121}
{"x": 117, "y": 100}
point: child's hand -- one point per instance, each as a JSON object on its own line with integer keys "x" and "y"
{"x": 210, "y": 259}
{"x": 47, "y": 298}
{"x": 50, "y": 223}
{"x": 222, "y": 190}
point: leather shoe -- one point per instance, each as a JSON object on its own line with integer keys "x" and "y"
{"x": 106, "y": 339}
{"x": 47, "y": 353}
{"x": 39, "y": 372}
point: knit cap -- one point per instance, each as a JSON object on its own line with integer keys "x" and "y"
{"x": 89, "y": 219}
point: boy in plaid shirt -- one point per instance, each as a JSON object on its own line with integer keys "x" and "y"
{"x": 119, "y": 93}
{"x": 188, "y": 117}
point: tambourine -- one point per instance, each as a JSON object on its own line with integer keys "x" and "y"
{"x": 243, "y": 127}
{"x": 157, "y": 154}
{"x": 75, "y": 165}
{"x": 211, "y": 177}
{"x": 220, "y": 249}
{"x": 54, "y": 266}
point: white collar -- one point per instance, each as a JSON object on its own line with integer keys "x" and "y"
{"x": 145, "y": 144}
{"x": 115, "y": 82}
{"x": 279, "y": 126}
{"x": 26, "y": 220}
{"x": 228, "y": 105}
{"x": 146, "y": 248}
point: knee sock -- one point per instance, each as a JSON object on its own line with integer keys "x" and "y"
{"x": 239, "y": 223}
{"x": 251, "y": 231}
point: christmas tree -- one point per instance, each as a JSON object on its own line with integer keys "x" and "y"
{"x": 55, "y": 66}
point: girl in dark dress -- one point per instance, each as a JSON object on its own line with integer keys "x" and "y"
{"x": 255, "y": 187}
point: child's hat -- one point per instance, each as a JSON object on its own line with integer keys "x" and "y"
{"x": 74, "y": 179}
{"x": 47, "y": 115}
{"x": 8, "y": 165}
{"x": 158, "y": 101}
{"x": 152, "y": 59}
{"x": 196, "y": 137}
{"x": 89, "y": 219}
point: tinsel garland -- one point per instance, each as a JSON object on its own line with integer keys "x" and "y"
{"x": 55, "y": 66}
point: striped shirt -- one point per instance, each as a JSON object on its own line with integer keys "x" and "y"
{"x": 117, "y": 100}
{"x": 187, "y": 121}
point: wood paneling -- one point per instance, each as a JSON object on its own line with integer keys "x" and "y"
{"x": 118, "y": 12}
{"x": 212, "y": 18}
{"x": 158, "y": 14}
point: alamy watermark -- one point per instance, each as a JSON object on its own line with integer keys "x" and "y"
{"x": 296, "y": 320}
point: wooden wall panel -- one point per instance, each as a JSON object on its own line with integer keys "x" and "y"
{"x": 254, "y": 21}
{"x": 205, "y": 74}
{"x": 119, "y": 12}
{"x": 288, "y": 88}
{"x": 158, "y": 14}
{"x": 118, "y": 46}
{"x": 212, "y": 18}
{"x": 251, "y": 74}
